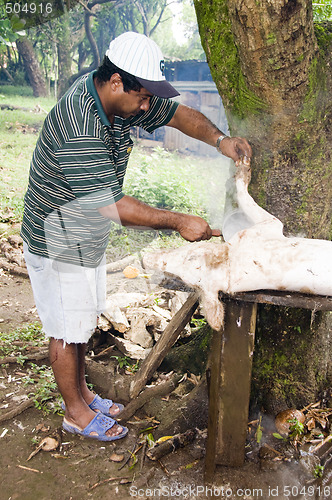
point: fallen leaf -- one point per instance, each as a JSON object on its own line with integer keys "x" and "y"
{"x": 46, "y": 444}
{"x": 49, "y": 444}
{"x": 42, "y": 428}
{"x": 311, "y": 424}
{"x": 126, "y": 481}
{"x": 163, "y": 438}
{"x": 116, "y": 458}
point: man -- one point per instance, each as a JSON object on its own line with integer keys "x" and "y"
{"x": 75, "y": 190}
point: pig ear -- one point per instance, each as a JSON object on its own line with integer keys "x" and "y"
{"x": 212, "y": 309}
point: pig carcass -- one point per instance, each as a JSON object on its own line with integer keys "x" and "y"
{"x": 259, "y": 257}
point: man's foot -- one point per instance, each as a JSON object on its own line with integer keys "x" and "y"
{"x": 105, "y": 406}
{"x": 100, "y": 405}
{"x": 80, "y": 420}
{"x": 100, "y": 427}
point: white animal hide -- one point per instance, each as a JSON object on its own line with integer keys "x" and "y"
{"x": 257, "y": 258}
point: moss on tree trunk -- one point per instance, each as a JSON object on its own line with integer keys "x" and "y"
{"x": 292, "y": 363}
{"x": 273, "y": 70}
{"x": 190, "y": 356}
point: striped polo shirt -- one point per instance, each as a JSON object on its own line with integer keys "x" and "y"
{"x": 79, "y": 165}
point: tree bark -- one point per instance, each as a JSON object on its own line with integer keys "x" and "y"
{"x": 64, "y": 54}
{"x": 273, "y": 73}
{"x": 272, "y": 68}
{"x": 32, "y": 67}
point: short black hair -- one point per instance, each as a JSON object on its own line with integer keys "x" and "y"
{"x": 107, "y": 69}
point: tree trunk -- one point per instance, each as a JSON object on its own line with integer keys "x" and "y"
{"x": 272, "y": 68}
{"x": 64, "y": 54}
{"x": 32, "y": 67}
{"x": 94, "y": 50}
{"x": 273, "y": 79}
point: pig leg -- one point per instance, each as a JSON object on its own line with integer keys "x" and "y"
{"x": 246, "y": 203}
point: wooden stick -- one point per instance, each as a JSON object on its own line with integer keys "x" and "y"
{"x": 104, "y": 481}
{"x": 10, "y": 107}
{"x": 119, "y": 265}
{"x": 129, "y": 457}
{"x": 104, "y": 352}
{"x": 178, "y": 441}
{"x": 322, "y": 443}
{"x": 159, "y": 390}
{"x": 29, "y": 468}
{"x": 164, "y": 344}
{"x": 14, "y": 268}
{"x": 16, "y": 411}
{"x": 143, "y": 455}
{"x": 27, "y": 357}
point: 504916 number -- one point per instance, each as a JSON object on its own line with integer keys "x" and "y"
{"x": 29, "y": 8}
{"x": 307, "y": 491}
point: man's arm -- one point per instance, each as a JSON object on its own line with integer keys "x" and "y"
{"x": 130, "y": 212}
{"x": 194, "y": 124}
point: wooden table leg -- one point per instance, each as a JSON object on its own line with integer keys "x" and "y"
{"x": 213, "y": 417}
{"x": 229, "y": 393}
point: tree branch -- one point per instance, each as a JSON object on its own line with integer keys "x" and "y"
{"x": 86, "y": 8}
{"x": 159, "y": 18}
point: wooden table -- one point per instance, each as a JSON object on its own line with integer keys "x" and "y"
{"x": 231, "y": 355}
{"x": 230, "y": 371}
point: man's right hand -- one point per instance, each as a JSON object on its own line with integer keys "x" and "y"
{"x": 193, "y": 228}
{"x": 130, "y": 212}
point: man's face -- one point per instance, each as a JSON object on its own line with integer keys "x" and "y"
{"x": 132, "y": 103}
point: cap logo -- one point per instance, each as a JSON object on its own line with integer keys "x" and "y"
{"x": 162, "y": 67}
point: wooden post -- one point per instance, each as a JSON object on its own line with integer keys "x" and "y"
{"x": 229, "y": 393}
{"x": 164, "y": 344}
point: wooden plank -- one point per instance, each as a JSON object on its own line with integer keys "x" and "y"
{"x": 279, "y": 298}
{"x": 233, "y": 382}
{"x": 164, "y": 344}
{"x": 214, "y": 379}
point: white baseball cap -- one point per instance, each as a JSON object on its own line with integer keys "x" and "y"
{"x": 141, "y": 57}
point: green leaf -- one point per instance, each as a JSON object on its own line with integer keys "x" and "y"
{"x": 150, "y": 439}
{"x": 259, "y": 434}
{"x": 17, "y": 23}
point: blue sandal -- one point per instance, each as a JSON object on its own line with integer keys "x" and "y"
{"x": 104, "y": 405}
{"x": 96, "y": 429}
{"x": 101, "y": 405}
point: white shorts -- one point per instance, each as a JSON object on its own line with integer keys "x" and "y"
{"x": 68, "y": 298}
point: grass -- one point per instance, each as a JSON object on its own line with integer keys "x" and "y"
{"x": 158, "y": 177}
{"x": 18, "y": 135}
{"x": 30, "y": 334}
{"x": 39, "y": 379}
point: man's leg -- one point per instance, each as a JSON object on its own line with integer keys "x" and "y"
{"x": 88, "y": 395}
{"x": 65, "y": 365}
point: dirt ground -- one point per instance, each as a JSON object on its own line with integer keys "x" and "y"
{"x": 82, "y": 469}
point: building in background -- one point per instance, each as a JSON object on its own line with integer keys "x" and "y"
{"x": 194, "y": 82}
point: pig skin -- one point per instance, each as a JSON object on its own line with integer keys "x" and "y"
{"x": 257, "y": 258}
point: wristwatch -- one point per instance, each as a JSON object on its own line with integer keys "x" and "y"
{"x": 220, "y": 138}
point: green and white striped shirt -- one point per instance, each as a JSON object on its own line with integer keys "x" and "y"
{"x": 79, "y": 165}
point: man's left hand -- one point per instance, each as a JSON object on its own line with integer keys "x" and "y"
{"x": 235, "y": 147}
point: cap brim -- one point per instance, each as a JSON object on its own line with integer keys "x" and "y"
{"x": 159, "y": 88}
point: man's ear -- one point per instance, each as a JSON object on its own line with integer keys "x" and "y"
{"x": 116, "y": 82}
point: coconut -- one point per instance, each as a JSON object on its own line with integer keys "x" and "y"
{"x": 282, "y": 420}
